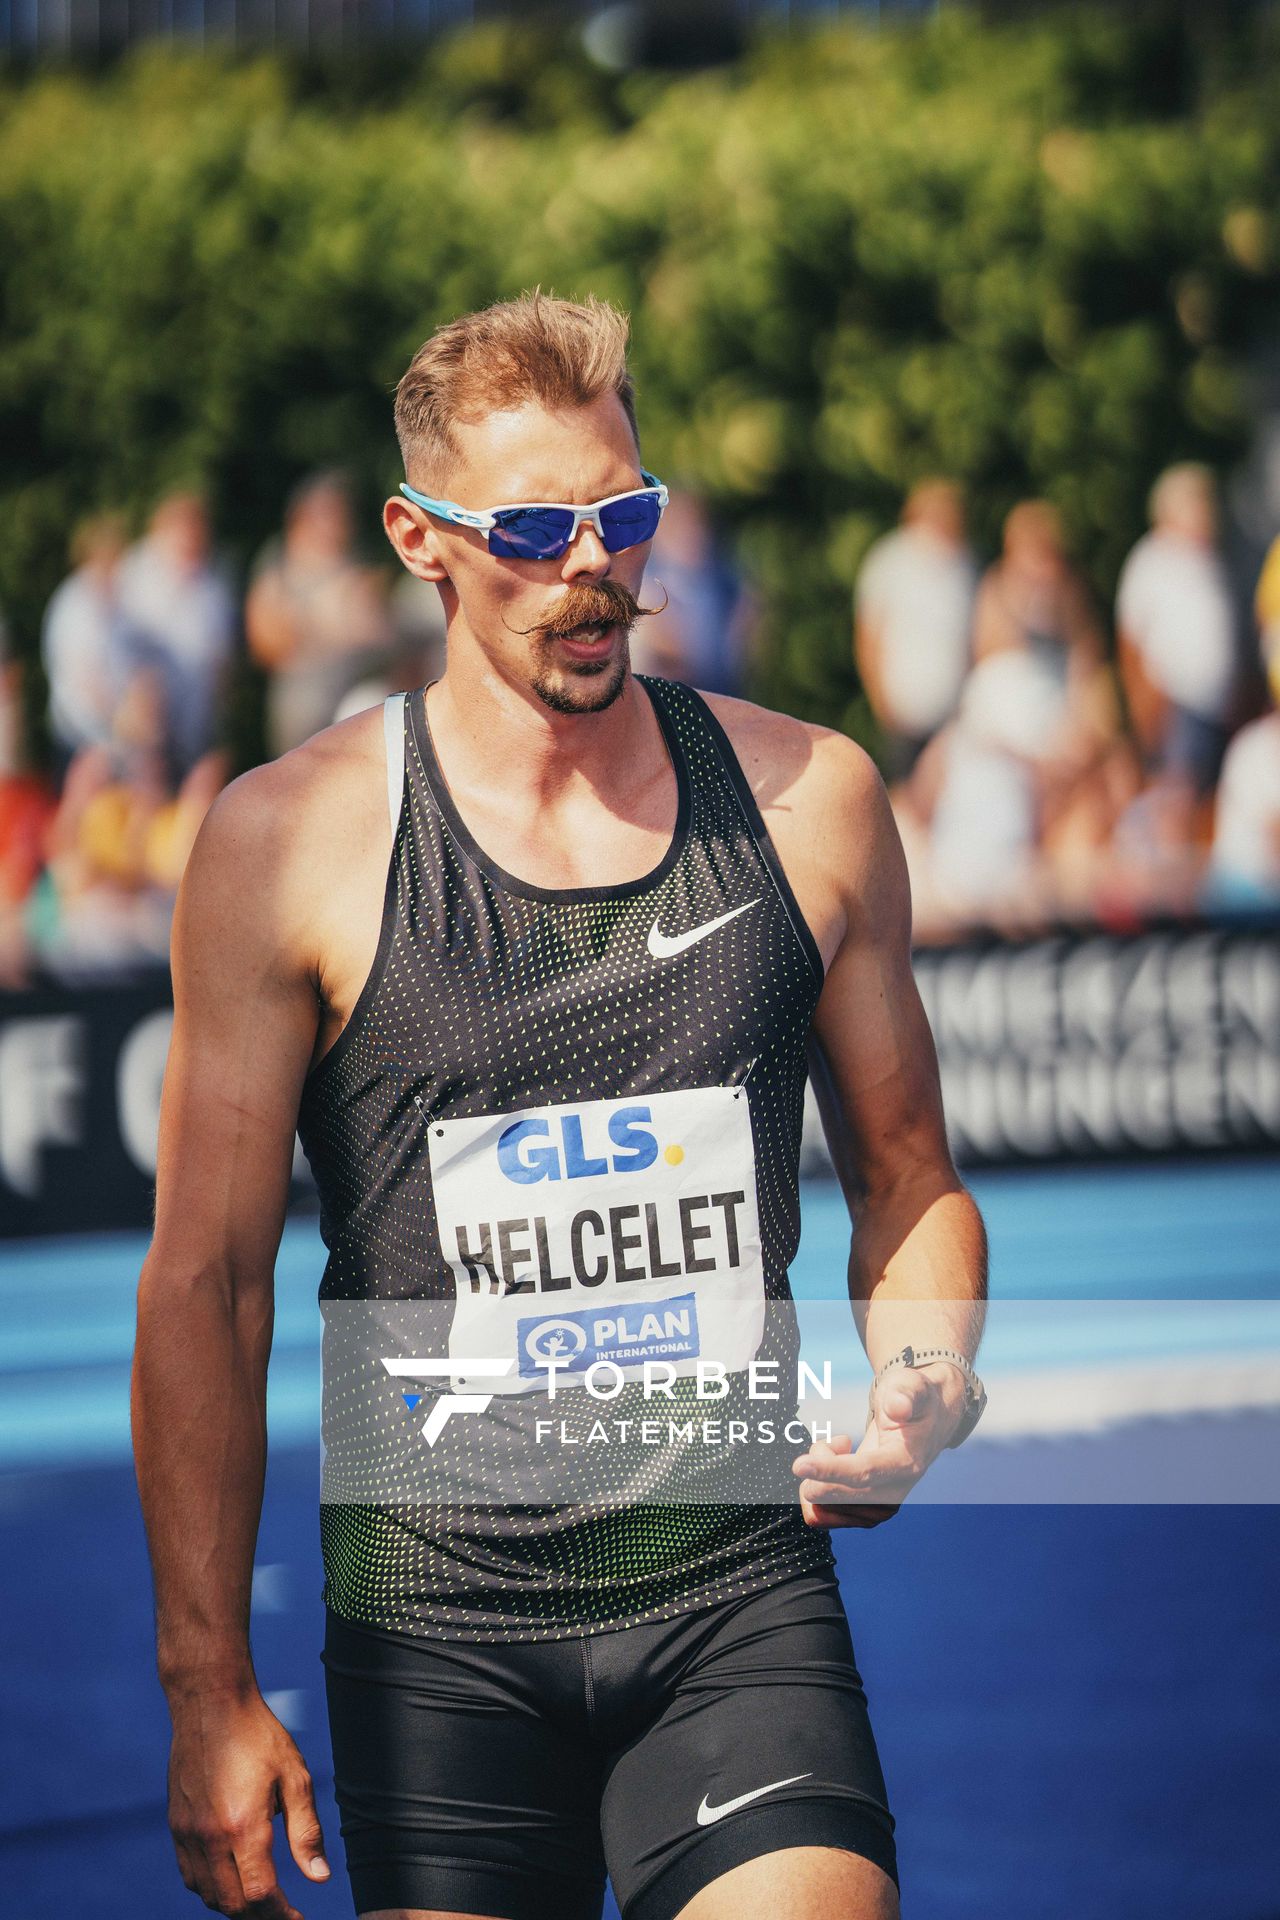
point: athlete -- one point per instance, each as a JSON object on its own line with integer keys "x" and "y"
{"x": 536, "y": 961}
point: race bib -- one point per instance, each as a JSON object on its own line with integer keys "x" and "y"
{"x": 624, "y": 1231}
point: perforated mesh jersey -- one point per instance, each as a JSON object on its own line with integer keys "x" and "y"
{"x": 490, "y": 997}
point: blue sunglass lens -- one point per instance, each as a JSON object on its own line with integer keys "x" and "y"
{"x": 543, "y": 533}
{"x": 628, "y": 522}
{"x": 539, "y": 535}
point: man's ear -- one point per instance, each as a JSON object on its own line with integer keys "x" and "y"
{"x": 415, "y": 539}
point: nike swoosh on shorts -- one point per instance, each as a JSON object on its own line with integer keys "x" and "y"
{"x": 708, "y": 1815}
{"x": 663, "y": 945}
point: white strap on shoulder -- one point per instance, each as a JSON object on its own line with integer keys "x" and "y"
{"x": 393, "y": 728}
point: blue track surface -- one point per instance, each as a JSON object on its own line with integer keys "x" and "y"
{"x": 1076, "y": 1706}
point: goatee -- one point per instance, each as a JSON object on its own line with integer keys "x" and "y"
{"x": 587, "y": 607}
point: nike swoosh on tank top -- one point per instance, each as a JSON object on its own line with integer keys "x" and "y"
{"x": 546, "y": 1118}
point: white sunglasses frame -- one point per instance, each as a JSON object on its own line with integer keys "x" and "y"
{"x": 486, "y": 522}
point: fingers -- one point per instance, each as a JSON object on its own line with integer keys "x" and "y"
{"x": 846, "y": 1515}
{"x": 209, "y": 1869}
{"x": 232, "y": 1769}
{"x": 879, "y": 1460}
{"x": 231, "y": 1868}
{"x": 854, "y": 1517}
{"x": 903, "y": 1396}
{"x": 897, "y": 1405}
{"x": 265, "y": 1897}
{"x": 874, "y": 1480}
{"x": 931, "y": 1399}
{"x": 186, "y": 1865}
{"x": 841, "y": 1486}
{"x": 820, "y": 1453}
{"x": 886, "y": 1490}
{"x": 302, "y": 1824}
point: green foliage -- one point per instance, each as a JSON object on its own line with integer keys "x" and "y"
{"x": 852, "y": 260}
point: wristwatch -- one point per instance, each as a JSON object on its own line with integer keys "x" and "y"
{"x": 975, "y": 1394}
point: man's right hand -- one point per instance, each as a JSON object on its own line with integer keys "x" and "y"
{"x": 232, "y": 1768}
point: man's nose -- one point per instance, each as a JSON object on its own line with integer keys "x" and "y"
{"x": 587, "y": 557}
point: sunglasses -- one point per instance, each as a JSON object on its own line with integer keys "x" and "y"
{"x": 542, "y": 530}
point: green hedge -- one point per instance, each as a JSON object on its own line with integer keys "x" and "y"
{"x": 852, "y": 259}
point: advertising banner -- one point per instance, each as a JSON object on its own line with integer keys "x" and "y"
{"x": 1073, "y": 1046}
{"x": 1160, "y": 1043}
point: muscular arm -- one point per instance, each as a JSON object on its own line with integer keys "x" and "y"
{"x": 244, "y": 1029}
{"x": 917, "y": 1267}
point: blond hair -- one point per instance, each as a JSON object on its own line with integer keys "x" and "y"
{"x": 559, "y": 353}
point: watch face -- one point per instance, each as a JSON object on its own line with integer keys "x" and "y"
{"x": 970, "y": 1417}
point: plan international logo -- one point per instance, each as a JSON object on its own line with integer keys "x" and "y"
{"x": 665, "y": 1330}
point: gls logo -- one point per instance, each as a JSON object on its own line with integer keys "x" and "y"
{"x": 527, "y": 1151}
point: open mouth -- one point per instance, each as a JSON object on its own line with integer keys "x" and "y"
{"x": 590, "y": 635}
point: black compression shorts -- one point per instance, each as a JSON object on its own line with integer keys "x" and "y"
{"x": 507, "y": 1779}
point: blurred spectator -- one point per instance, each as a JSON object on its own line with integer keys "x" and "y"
{"x": 1176, "y": 624}
{"x": 702, "y": 635}
{"x": 913, "y": 612}
{"x": 971, "y": 815}
{"x": 1244, "y": 865}
{"x": 314, "y": 615}
{"x": 1034, "y": 606}
{"x": 26, "y": 808}
{"x": 1079, "y": 841}
{"x": 172, "y": 829}
{"x": 86, "y": 639}
{"x": 183, "y": 616}
{"x": 417, "y": 619}
{"x": 1155, "y": 858}
{"x": 1033, "y": 599}
{"x": 417, "y": 654}
{"x": 116, "y": 850}
{"x": 87, "y": 914}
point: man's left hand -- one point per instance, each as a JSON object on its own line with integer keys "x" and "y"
{"x": 916, "y": 1410}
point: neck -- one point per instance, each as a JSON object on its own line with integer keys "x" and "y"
{"x": 509, "y": 741}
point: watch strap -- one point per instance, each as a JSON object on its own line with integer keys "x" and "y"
{"x": 975, "y": 1393}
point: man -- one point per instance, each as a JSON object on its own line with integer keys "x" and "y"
{"x": 579, "y": 975}
{"x": 314, "y": 617}
{"x": 182, "y": 613}
{"x": 1244, "y": 863}
{"x": 913, "y": 614}
{"x": 85, "y": 642}
{"x": 1176, "y": 624}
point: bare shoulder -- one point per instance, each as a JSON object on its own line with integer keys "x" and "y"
{"x": 278, "y": 841}
{"x": 778, "y": 751}
{"x": 811, "y": 783}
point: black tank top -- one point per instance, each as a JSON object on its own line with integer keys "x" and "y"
{"x": 564, "y": 1123}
